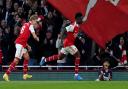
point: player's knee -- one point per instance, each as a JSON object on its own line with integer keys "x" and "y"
{"x": 77, "y": 54}
{"x": 61, "y": 56}
{"x": 26, "y": 56}
{"x": 16, "y": 60}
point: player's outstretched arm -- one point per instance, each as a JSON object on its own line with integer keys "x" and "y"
{"x": 90, "y": 5}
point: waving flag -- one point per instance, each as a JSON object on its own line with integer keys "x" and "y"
{"x": 104, "y": 21}
{"x": 123, "y": 5}
{"x": 120, "y": 4}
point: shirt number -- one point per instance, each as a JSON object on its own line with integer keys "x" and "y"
{"x": 22, "y": 30}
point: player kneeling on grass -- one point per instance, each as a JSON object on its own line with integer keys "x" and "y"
{"x": 21, "y": 45}
{"x": 105, "y": 74}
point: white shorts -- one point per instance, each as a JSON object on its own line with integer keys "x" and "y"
{"x": 70, "y": 49}
{"x": 20, "y": 50}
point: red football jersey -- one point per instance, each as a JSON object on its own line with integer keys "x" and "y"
{"x": 72, "y": 32}
{"x": 25, "y": 32}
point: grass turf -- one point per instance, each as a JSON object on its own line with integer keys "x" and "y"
{"x": 63, "y": 85}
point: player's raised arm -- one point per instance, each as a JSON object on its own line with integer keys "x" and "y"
{"x": 90, "y": 5}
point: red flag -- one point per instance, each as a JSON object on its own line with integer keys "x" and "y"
{"x": 123, "y": 5}
{"x": 120, "y": 4}
{"x": 104, "y": 21}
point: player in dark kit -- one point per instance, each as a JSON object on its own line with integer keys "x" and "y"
{"x": 105, "y": 74}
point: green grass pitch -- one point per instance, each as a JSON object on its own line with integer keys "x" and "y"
{"x": 63, "y": 85}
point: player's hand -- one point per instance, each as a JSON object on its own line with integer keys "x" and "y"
{"x": 84, "y": 19}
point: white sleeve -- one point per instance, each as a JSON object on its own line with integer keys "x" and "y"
{"x": 31, "y": 28}
{"x": 69, "y": 28}
{"x": 92, "y": 3}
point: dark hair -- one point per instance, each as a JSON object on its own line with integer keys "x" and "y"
{"x": 78, "y": 15}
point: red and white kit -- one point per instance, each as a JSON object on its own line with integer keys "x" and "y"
{"x": 72, "y": 32}
{"x": 21, "y": 41}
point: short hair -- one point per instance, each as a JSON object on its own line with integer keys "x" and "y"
{"x": 33, "y": 17}
{"x": 78, "y": 15}
{"x": 106, "y": 62}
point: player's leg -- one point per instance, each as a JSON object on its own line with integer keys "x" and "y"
{"x": 10, "y": 69}
{"x": 59, "y": 56}
{"x": 77, "y": 63}
{"x": 100, "y": 78}
{"x": 25, "y": 65}
{"x": 74, "y": 51}
{"x": 18, "y": 56}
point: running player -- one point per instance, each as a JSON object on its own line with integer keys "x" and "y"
{"x": 22, "y": 46}
{"x": 69, "y": 35}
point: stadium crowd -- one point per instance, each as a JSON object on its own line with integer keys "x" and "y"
{"x": 14, "y": 13}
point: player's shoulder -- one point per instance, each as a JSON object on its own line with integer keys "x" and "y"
{"x": 70, "y": 27}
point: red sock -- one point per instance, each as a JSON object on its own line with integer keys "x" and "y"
{"x": 11, "y": 67}
{"x": 25, "y": 66}
{"x": 77, "y": 62}
{"x": 52, "y": 58}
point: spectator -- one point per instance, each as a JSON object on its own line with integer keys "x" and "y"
{"x": 20, "y": 12}
{"x": 7, "y": 12}
{"x": 49, "y": 45}
{"x": 44, "y": 8}
{"x": 1, "y": 2}
{"x": 30, "y": 12}
{"x": 122, "y": 48}
{"x": 97, "y": 56}
{"x": 1, "y": 55}
{"x": 15, "y": 7}
{"x": 27, "y": 4}
{"x": 5, "y": 43}
{"x": 1, "y": 12}
{"x": 35, "y": 7}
